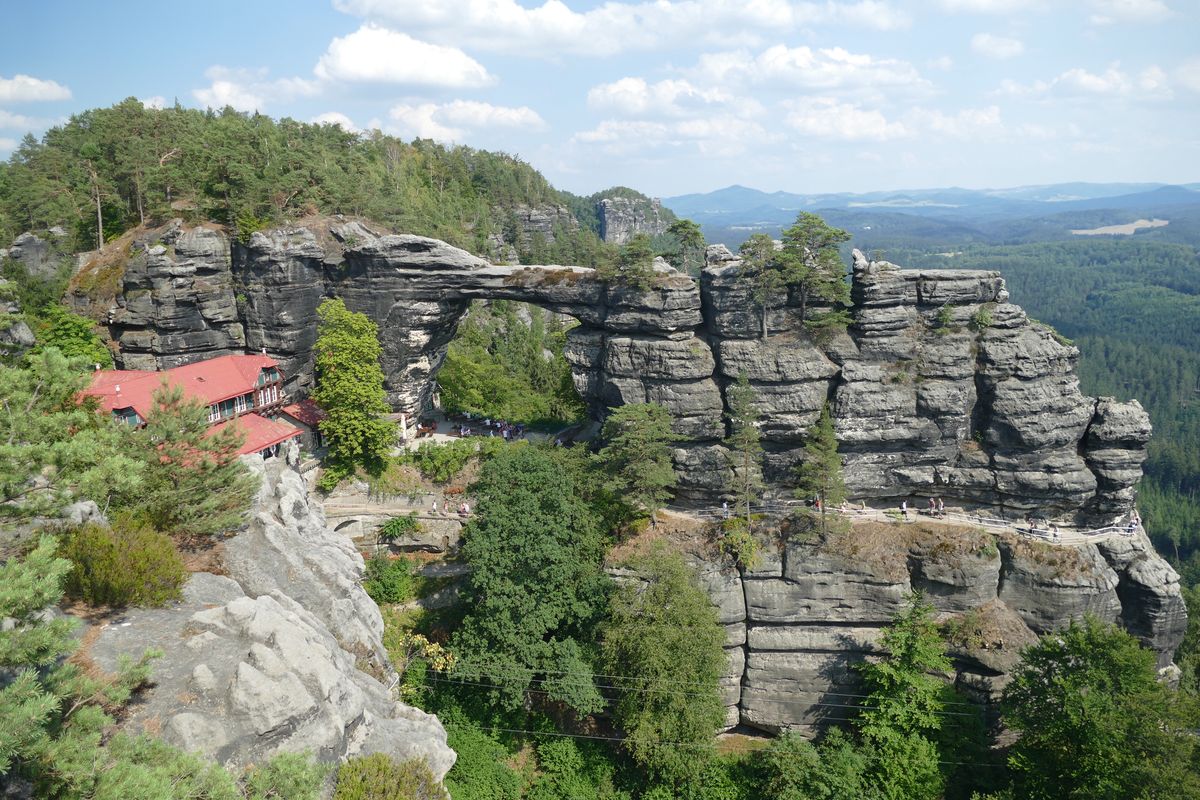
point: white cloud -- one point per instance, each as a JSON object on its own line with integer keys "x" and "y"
{"x": 378, "y": 55}
{"x": 941, "y": 63}
{"x": 552, "y": 28}
{"x": 716, "y": 136}
{"x": 988, "y": 6}
{"x": 155, "y": 102}
{"x": 450, "y": 122}
{"x": 250, "y": 90}
{"x": 21, "y": 88}
{"x": 11, "y": 121}
{"x": 336, "y": 118}
{"x": 1188, "y": 74}
{"x": 966, "y": 124}
{"x": 7, "y": 144}
{"x": 804, "y": 67}
{"x": 997, "y": 47}
{"x": 634, "y": 97}
{"x": 1151, "y": 83}
{"x": 1108, "y": 12}
{"x": 828, "y": 118}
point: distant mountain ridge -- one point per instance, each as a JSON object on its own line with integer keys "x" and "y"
{"x": 955, "y": 214}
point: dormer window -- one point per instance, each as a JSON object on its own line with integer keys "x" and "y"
{"x": 268, "y": 375}
{"x": 127, "y": 415}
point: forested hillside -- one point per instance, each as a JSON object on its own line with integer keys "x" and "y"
{"x": 1133, "y": 308}
{"x": 114, "y": 168}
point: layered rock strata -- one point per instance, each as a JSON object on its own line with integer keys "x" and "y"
{"x": 284, "y": 653}
{"x": 940, "y": 386}
{"x": 622, "y": 218}
{"x": 798, "y": 623}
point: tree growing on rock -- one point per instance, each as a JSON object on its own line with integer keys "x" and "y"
{"x": 744, "y": 444}
{"x": 819, "y": 475}
{"x": 811, "y": 262}
{"x": 194, "y": 482}
{"x": 762, "y": 270}
{"x": 690, "y": 255}
{"x": 637, "y": 457}
{"x": 664, "y": 638}
{"x": 350, "y": 390}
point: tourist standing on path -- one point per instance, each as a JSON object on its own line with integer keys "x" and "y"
{"x": 904, "y": 509}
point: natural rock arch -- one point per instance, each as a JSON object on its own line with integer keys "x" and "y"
{"x": 930, "y": 395}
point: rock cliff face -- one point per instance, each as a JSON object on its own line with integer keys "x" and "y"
{"x": 283, "y": 653}
{"x": 798, "y": 623}
{"x": 940, "y": 386}
{"x": 621, "y": 218}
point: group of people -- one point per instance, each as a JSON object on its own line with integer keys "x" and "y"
{"x": 463, "y": 510}
{"x": 490, "y": 427}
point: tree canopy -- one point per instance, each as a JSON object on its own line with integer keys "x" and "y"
{"x": 536, "y": 590}
{"x": 350, "y": 390}
{"x": 663, "y": 638}
{"x": 636, "y": 455}
{"x": 1095, "y": 721}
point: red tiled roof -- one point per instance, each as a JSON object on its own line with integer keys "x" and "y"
{"x": 306, "y": 411}
{"x": 261, "y": 432}
{"x": 208, "y": 381}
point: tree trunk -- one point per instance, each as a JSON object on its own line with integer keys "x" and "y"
{"x": 765, "y": 325}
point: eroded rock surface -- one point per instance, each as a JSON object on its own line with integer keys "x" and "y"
{"x": 283, "y": 653}
{"x": 797, "y": 623}
{"x": 940, "y": 386}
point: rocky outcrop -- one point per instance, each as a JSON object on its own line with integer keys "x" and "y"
{"x": 545, "y": 221}
{"x": 40, "y": 256}
{"x": 940, "y": 386}
{"x": 622, "y": 218}
{"x": 797, "y": 624}
{"x": 177, "y": 303}
{"x": 282, "y": 654}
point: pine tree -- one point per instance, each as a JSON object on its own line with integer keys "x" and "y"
{"x": 820, "y": 473}
{"x": 811, "y": 262}
{"x": 194, "y": 484}
{"x": 350, "y": 390}
{"x": 637, "y": 456}
{"x": 744, "y": 443}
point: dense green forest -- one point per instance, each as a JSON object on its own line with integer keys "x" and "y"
{"x": 1133, "y": 308}
{"x": 110, "y": 169}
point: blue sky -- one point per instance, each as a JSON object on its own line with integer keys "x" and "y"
{"x": 667, "y": 96}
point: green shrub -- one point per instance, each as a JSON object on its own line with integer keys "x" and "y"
{"x": 294, "y": 776}
{"x": 396, "y": 527}
{"x": 441, "y": 462}
{"x": 944, "y": 318}
{"x": 739, "y": 543}
{"x": 389, "y": 580}
{"x": 378, "y": 777}
{"x": 130, "y": 564}
{"x": 982, "y": 318}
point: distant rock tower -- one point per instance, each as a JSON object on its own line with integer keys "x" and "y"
{"x": 621, "y": 218}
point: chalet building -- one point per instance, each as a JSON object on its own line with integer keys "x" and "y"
{"x": 248, "y": 388}
{"x": 306, "y": 415}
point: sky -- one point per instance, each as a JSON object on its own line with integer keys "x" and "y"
{"x": 665, "y": 96}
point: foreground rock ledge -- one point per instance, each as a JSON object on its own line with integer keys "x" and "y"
{"x": 282, "y": 654}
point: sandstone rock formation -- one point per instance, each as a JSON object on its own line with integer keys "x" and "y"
{"x": 940, "y": 386}
{"x": 796, "y": 624}
{"x": 621, "y": 218}
{"x": 283, "y": 653}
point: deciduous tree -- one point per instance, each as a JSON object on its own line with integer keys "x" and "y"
{"x": 350, "y": 390}
{"x": 1095, "y": 721}
{"x": 663, "y": 637}
{"x": 536, "y": 589}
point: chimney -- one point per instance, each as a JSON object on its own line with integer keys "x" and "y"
{"x": 118, "y": 387}
{"x": 95, "y": 367}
